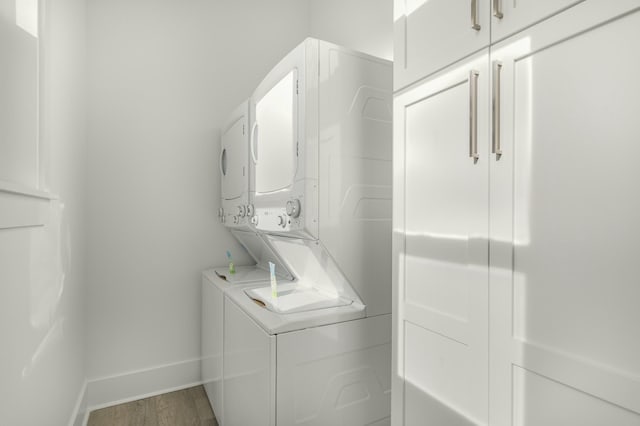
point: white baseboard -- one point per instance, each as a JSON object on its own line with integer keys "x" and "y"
{"x": 107, "y": 391}
{"x": 79, "y": 414}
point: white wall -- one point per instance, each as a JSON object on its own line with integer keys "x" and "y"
{"x": 365, "y": 25}
{"x": 42, "y": 267}
{"x": 163, "y": 76}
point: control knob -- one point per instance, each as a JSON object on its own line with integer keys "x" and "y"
{"x": 282, "y": 221}
{"x": 293, "y": 208}
{"x": 242, "y": 211}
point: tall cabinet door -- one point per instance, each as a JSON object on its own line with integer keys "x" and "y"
{"x": 441, "y": 248}
{"x": 432, "y": 34}
{"x": 565, "y": 203}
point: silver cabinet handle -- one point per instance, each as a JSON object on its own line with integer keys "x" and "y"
{"x": 497, "y": 9}
{"x": 495, "y": 147}
{"x": 474, "y": 15}
{"x": 473, "y": 115}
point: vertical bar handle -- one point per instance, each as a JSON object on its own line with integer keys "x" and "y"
{"x": 252, "y": 142}
{"x": 495, "y": 146}
{"x": 497, "y": 9}
{"x": 473, "y": 115}
{"x": 222, "y": 160}
{"x": 474, "y": 15}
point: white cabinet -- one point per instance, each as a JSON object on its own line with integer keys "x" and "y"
{"x": 509, "y": 17}
{"x": 565, "y": 347}
{"x": 442, "y": 212}
{"x": 431, "y": 34}
{"x": 539, "y": 241}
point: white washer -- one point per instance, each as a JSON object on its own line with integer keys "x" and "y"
{"x": 288, "y": 361}
{"x": 211, "y": 364}
{"x": 215, "y": 283}
{"x": 333, "y": 374}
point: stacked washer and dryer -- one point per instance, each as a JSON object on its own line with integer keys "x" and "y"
{"x": 306, "y": 184}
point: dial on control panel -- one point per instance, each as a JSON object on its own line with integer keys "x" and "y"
{"x": 293, "y": 208}
{"x": 242, "y": 211}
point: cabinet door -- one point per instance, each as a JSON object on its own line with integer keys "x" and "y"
{"x": 565, "y": 323}
{"x": 511, "y": 16}
{"x": 441, "y": 260}
{"x": 432, "y": 34}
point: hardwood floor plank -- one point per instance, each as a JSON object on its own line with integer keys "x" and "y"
{"x": 187, "y": 407}
{"x": 203, "y": 409}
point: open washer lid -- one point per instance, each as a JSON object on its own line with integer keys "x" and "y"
{"x": 312, "y": 266}
{"x": 262, "y": 252}
{"x": 277, "y": 323}
{"x": 319, "y": 295}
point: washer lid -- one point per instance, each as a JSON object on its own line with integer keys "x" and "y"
{"x": 313, "y": 268}
{"x": 276, "y": 323}
{"x": 262, "y": 252}
{"x": 293, "y": 298}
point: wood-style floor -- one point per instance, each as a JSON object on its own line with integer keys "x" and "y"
{"x": 187, "y": 407}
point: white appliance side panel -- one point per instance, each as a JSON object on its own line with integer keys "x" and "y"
{"x": 564, "y": 252}
{"x": 356, "y": 170}
{"x": 336, "y": 375}
{"x": 249, "y": 371}
{"x": 211, "y": 343}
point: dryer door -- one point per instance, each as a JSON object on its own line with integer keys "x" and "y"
{"x": 234, "y": 156}
{"x": 234, "y": 169}
{"x": 283, "y": 145}
{"x": 275, "y": 136}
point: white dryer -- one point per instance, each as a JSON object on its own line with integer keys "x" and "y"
{"x": 233, "y": 163}
{"x": 321, "y": 148}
